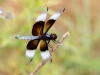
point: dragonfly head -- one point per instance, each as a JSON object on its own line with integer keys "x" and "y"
{"x": 53, "y": 36}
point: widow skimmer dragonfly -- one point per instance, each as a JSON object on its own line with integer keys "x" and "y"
{"x": 39, "y": 32}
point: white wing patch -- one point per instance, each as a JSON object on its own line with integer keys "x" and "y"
{"x": 45, "y": 55}
{"x": 55, "y": 16}
{"x": 41, "y": 17}
{"x": 30, "y": 53}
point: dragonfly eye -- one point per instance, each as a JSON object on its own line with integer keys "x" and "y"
{"x": 53, "y": 36}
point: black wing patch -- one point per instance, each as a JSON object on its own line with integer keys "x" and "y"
{"x": 43, "y": 45}
{"x": 39, "y": 25}
{"x": 32, "y": 44}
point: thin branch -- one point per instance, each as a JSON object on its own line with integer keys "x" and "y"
{"x": 51, "y": 51}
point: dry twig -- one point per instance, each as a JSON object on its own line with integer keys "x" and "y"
{"x": 53, "y": 49}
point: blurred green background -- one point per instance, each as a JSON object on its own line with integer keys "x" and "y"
{"x": 79, "y": 54}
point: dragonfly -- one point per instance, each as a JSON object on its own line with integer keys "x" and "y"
{"x": 40, "y": 35}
